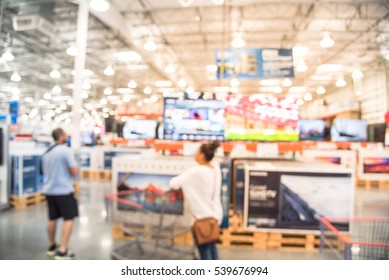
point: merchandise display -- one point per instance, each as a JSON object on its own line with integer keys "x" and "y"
{"x": 373, "y": 164}
{"x": 311, "y": 130}
{"x": 290, "y": 99}
{"x": 25, "y": 175}
{"x": 193, "y": 119}
{"x": 294, "y": 195}
{"x": 349, "y": 130}
{"x": 140, "y": 129}
{"x": 261, "y": 118}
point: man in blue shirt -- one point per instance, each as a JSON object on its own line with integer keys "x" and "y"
{"x": 59, "y": 167}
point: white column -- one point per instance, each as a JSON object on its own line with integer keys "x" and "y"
{"x": 79, "y": 66}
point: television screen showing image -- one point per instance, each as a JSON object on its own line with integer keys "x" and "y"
{"x": 312, "y": 130}
{"x": 373, "y": 165}
{"x": 88, "y": 138}
{"x": 140, "y": 129}
{"x": 261, "y": 118}
{"x": 349, "y": 130}
{"x": 187, "y": 119}
{"x": 152, "y": 186}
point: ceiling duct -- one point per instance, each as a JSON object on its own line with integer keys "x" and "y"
{"x": 35, "y": 20}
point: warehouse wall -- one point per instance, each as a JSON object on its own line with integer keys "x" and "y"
{"x": 373, "y": 101}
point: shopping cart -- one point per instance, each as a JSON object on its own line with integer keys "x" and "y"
{"x": 354, "y": 239}
{"x": 153, "y": 221}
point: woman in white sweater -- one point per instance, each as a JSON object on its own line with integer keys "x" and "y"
{"x": 201, "y": 186}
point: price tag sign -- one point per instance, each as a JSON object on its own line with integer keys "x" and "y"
{"x": 267, "y": 150}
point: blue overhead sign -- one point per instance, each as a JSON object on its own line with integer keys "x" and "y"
{"x": 254, "y": 63}
{"x": 13, "y": 111}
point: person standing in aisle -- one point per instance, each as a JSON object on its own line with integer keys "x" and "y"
{"x": 201, "y": 186}
{"x": 58, "y": 168}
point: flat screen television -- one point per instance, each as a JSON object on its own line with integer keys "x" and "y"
{"x": 187, "y": 119}
{"x": 349, "y": 130}
{"x": 88, "y": 138}
{"x": 261, "y": 118}
{"x": 140, "y": 129}
{"x": 312, "y": 130}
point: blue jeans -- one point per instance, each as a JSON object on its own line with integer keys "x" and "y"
{"x": 208, "y": 251}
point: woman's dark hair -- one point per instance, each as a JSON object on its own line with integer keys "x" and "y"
{"x": 209, "y": 149}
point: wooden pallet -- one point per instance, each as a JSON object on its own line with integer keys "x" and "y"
{"x": 293, "y": 242}
{"x": 369, "y": 184}
{"x": 242, "y": 239}
{"x": 22, "y": 202}
{"x": 105, "y": 175}
{"x": 90, "y": 175}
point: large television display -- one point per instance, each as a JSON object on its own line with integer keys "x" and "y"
{"x": 349, "y": 130}
{"x": 375, "y": 165}
{"x": 88, "y": 138}
{"x": 261, "y": 118}
{"x": 140, "y": 129}
{"x": 312, "y": 130}
{"x": 187, "y": 119}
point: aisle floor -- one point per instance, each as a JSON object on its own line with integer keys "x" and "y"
{"x": 23, "y": 233}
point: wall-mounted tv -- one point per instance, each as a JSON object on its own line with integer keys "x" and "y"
{"x": 140, "y": 129}
{"x": 261, "y": 118}
{"x": 312, "y": 130}
{"x": 349, "y": 130}
{"x": 187, "y": 119}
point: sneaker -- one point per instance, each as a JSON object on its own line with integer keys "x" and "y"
{"x": 68, "y": 255}
{"x": 52, "y": 250}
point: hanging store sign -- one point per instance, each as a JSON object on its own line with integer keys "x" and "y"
{"x": 254, "y": 63}
{"x": 13, "y": 111}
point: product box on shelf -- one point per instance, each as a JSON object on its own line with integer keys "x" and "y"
{"x": 292, "y": 196}
{"x": 373, "y": 165}
{"x": 25, "y": 174}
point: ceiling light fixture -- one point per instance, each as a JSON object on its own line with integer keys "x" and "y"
{"x": 185, "y": 3}
{"x": 300, "y": 102}
{"x": 132, "y": 84}
{"x": 211, "y": 68}
{"x": 150, "y": 45}
{"x": 128, "y": 56}
{"x": 72, "y": 50}
{"x": 163, "y": 84}
{"x": 56, "y": 89}
{"x": 189, "y": 90}
{"x": 86, "y": 85}
{"x": 340, "y": 82}
{"x": 302, "y": 67}
{"x": 147, "y": 90}
{"x": 107, "y": 91}
{"x": 99, "y": 5}
{"x": 320, "y": 90}
{"x": 103, "y": 101}
{"x": 47, "y": 96}
{"x": 357, "y": 74}
{"x": 7, "y": 56}
{"x": 109, "y": 71}
{"x": 287, "y": 83}
{"x": 238, "y": 41}
{"x": 127, "y": 98}
{"x": 327, "y": 41}
{"x": 234, "y": 82}
{"x": 15, "y": 77}
{"x": 182, "y": 83}
{"x": 277, "y": 90}
{"x": 170, "y": 69}
{"x": 234, "y": 90}
{"x": 55, "y": 74}
{"x": 269, "y": 82}
{"x": 308, "y": 96}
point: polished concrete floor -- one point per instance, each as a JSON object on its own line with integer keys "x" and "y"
{"x": 23, "y": 233}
